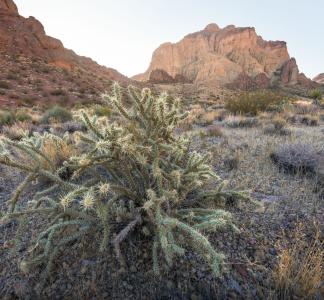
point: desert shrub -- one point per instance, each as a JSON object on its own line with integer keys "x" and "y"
{"x": 56, "y": 114}
{"x": 57, "y": 92}
{"x": 310, "y": 120}
{"x": 289, "y": 116}
{"x": 315, "y": 94}
{"x": 305, "y": 107}
{"x": 4, "y": 85}
{"x": 253, "y": 102}
{"x": 299, "y": 273}
{"x": 22, "y": 116}
{"x": 214, "y": 131}
{"x": 6, "y": 118}
{"x": 134, "y": 176}
{"x": 278, "y": 125}
{"x": 296, "y": 157}
{"x": 102, "y": 111}
{"x": 207, "y": 118}
{"x": 16, "y": 131}
{"x": 241, "y": 122}
{"x": 55, "y": 151}
{"x": 232, "y": 162}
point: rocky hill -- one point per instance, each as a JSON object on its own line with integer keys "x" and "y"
{"x": 232, "y": 56}
{"x": 319, "y": 78}
{"x": 28, "y": 55}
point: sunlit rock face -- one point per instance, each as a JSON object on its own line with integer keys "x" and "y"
{"x": 21, "y": 36}
{"x": 227, "y": 56}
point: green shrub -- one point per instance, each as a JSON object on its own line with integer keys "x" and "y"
{"x": 6, "y": 118}
{"x": 23, "y": 117}
{"x": 315, "y": 94}
{"x": 253, "y": 102}
{"x": 56, "y": 114}
{"x": 134, "y": 177}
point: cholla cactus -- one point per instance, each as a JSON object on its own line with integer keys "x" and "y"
{"x": 135, "y": 171}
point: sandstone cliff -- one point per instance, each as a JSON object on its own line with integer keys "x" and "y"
{"x": 319, "y": 78}
{"x": 231, "y": 56}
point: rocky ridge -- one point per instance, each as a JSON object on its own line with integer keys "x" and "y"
{"x": 24, "y": 40}
{"x": 319, "y": 78}
{"x": 232, "y": 56}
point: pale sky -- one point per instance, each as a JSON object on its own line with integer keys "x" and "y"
{"x": 122, "y": 34}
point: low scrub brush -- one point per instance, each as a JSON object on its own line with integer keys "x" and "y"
{"x": 134, "y": 175}
{"x": 296, "y": 158}
{"x": 254, "y": 102}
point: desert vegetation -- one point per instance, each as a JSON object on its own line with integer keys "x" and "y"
{"x": 201, "y": 182}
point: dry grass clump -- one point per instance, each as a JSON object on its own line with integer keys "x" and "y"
{"x": 198, "y": 115}
{"x": 302, "y": 107}
{"x": 53, "y": 150}
{"x": 56, "y": 151}
{"x": 17, "y": 131}
{"x": 310, "y": 120}
{"x": 296, "y": 157}
{"x": 194, "y": 113}
{"x": 278, "y": 125}
{"x": 213, "y": 131}
{"x": 241, "y": 122}
{"x": 254, "y": 102}
{"x": 299, "y": 272}
{"x": 206, "y": 118}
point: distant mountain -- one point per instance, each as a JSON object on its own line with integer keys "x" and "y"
{"x": 233, "y": 57}
{"x": 24, "y": 43}
{"x": 319, "y": 78}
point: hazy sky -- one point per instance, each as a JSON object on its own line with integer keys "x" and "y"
{"x": 123, "y": 33}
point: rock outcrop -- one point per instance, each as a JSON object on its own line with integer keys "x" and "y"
{"x": 231, "y": 56}
{"x": 21, "y": 36}
{"x": 37, "y": 69}
{"x": 159, "y": 76}
{"x": 319, "y": 78}
{"x": 9, "y": 6}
